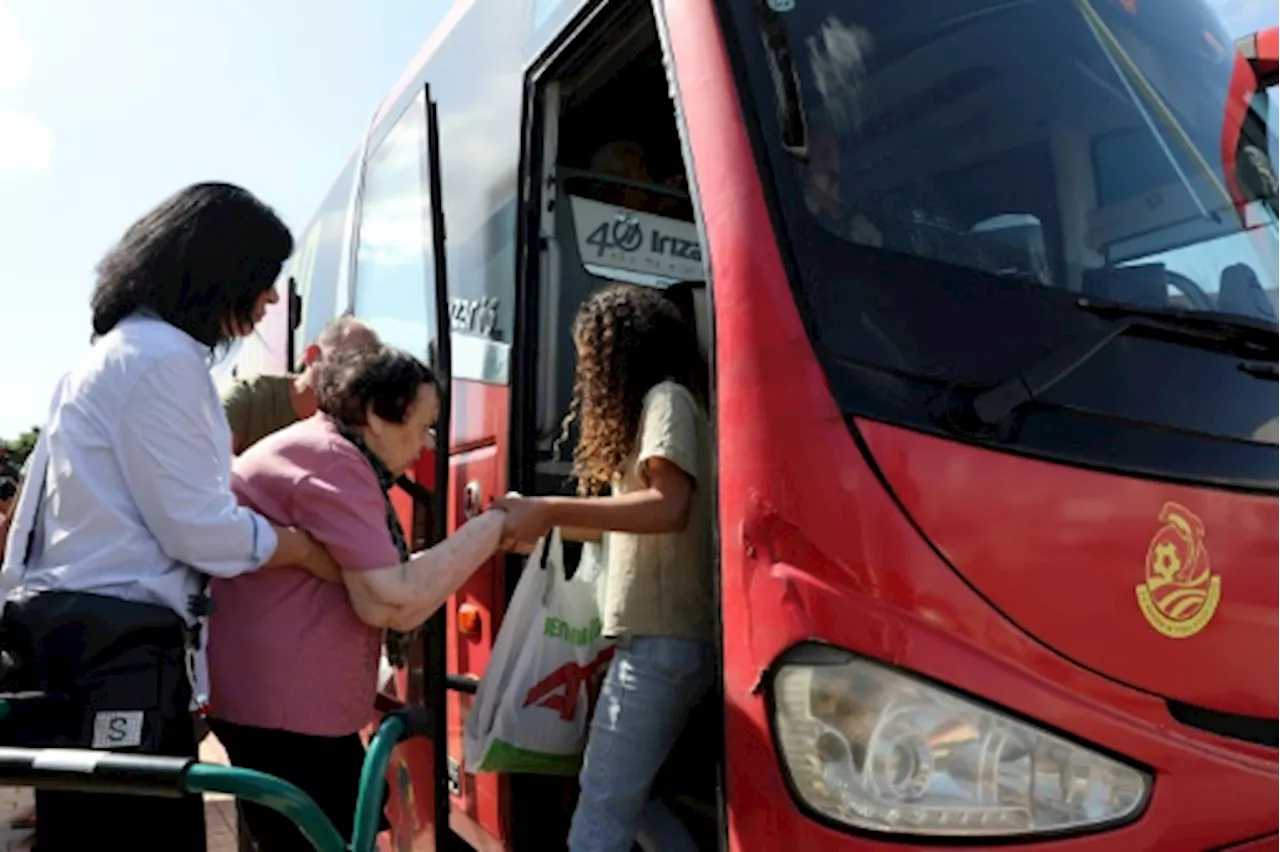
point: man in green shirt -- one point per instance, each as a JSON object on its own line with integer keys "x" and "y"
{"x": 260, "y": 405}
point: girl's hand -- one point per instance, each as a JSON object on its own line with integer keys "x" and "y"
{"x": 527, "y": 519}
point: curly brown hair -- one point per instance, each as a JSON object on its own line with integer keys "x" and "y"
{"x": 629, "y": 338}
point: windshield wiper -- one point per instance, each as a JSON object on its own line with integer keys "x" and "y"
{"x": 1251, "y": 338}
{"x": 1258, "y": 335}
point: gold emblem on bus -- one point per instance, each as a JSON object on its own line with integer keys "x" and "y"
{"x": 1180, "y": 593}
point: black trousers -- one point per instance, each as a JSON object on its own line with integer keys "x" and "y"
{"x": 110, "y": 659}
{"x": 326, "y": 768}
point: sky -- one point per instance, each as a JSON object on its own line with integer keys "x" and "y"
{"x": 107, "y": 106}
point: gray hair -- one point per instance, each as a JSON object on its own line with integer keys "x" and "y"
{"x": 339, "y": 329}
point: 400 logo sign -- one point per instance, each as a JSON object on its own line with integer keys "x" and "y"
{"x": 623, "y": 234}
{"x": 617, "y": 238}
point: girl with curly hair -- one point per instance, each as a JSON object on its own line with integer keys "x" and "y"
{"x": 640, "y": 398}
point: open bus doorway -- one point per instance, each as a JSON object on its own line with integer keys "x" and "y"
{"x": 613, "y": 205}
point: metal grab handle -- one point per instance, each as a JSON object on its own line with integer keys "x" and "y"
{"x": 89, "y": 771}
{"x": 471, "y": 497}
{"x": 416, "y": 721}
{"x": 396, "y": 727}
{"x": 269, "y": 791}
{"x": 92, "y": 771}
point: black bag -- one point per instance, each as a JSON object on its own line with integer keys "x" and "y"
{"x": 91, "y": 671}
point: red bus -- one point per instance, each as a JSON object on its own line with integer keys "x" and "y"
{"x": 990, "y": 308}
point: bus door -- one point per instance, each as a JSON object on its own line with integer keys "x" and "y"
{"x": 607, "y": 201}
{"x": 440, "y": 359}
{"x": 400, "y": 288}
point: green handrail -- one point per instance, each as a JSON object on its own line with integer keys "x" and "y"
{"x": 260, "y": 788}
{"x": 293, "y": 803}
{"x": 252, "y": 786}
{"x": 373, "y": 780}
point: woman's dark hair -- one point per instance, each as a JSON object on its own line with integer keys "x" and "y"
{"x": 381, "y": 378}
{"x": 201, "y": 258}
{"x": 629, "y": 339}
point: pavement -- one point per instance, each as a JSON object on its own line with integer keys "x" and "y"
{"x": 219, "y": 810}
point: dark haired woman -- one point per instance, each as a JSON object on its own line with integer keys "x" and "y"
{"x": 128, "y": 510}
{"x": 294, "y": 660}
{"x": 639, "y": 395}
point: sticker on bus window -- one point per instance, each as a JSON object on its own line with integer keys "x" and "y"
{"x": 782, "y": 5}
{"x": 644, "y": 248}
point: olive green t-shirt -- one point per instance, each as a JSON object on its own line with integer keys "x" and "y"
{"x": 659, "y": 584}
{"x": 257, "y": 407}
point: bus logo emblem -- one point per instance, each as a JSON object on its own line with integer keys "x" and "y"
{"x": 1180, "y": 593}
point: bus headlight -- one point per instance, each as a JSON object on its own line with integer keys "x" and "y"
{"x": 881, "y": 751}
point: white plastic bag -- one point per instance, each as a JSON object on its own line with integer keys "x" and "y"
{"x": 534, "y": 703}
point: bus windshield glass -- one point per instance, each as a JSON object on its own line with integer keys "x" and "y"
{"x": 1074, "y": 145}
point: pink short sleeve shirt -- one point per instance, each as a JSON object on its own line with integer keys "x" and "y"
{"x": 286, "y": 650}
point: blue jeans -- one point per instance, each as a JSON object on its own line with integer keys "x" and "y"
{"x": 652, "y": 683}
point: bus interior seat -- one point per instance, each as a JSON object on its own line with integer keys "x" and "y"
{"x": 1240, "y": 292}
{"x": 1144, "y": 284}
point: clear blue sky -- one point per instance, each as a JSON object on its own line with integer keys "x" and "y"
{"x": 106, "y": 106}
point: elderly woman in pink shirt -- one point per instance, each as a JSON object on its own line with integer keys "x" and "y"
{"x": 294, "y": 659}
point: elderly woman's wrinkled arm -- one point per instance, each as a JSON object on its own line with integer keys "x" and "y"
{"x": 406, "y": 618}
{"x": 407, "y": 594}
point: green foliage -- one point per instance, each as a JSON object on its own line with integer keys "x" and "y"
{"x": 17, "y": 450}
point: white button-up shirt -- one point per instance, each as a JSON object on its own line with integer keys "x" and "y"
{"x": 137, "y": 499}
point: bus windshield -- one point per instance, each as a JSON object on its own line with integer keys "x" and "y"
{"x": 1066, "y": 144}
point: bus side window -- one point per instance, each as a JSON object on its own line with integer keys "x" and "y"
{"x": 394, "y": 275}
{"x": 317, "y": 259}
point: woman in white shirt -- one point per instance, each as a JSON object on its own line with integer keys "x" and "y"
{"x": 128, "y": 511}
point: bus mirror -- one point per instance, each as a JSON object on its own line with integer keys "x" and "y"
{"x": 1257, "y": 175}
